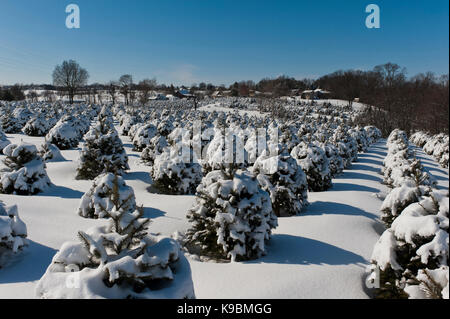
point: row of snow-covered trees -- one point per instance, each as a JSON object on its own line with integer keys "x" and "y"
{"x": 410, "y": 260}
{"x": 435, "y": 145}
{"x": 238, "y": 200}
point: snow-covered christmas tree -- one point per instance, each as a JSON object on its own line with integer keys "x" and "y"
{"x": 102, "y": 152}
{"x": 312, "y": 159}
{"x": 284, "y": 180}
{"x": 26, "y": 174}
{"x": 412, "y": 255}
{"x": 176, "y": 171}
{"x": 232, "y": 217}
{"x": 13, "y": 233}
{"x": 118, "y": 260}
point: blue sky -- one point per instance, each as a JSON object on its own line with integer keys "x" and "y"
{"x": 219, "y": 41}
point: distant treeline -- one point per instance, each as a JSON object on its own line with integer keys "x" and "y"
{"x": 416, "y": 103}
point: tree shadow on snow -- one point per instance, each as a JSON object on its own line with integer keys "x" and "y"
{"x": 61, "y": 191}
{"x": 150, "y": 212}
{"x": 355, "y": 175}
{"x": 341, "y": 187}
{"x": 142, "y": 176}
{"x": 28, "y": 265}
{"x": 289, "y": 249}
{"x": 332, "y": 208}
{"x": 362, "y": 167}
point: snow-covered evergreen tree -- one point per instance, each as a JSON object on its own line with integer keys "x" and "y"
{"x": 118, "y": 260}
{"x": 3, "y": 141}
{"x": 176, "y": 173}
{"x": 412, "y": 255}
{"x": 284, "y": 180}
{"x": 50, "y": 153}
{"x": 346, "y": 144}
{"x": 102, "y": 152}
{"x": 100, "y": 197}
{"x": 312, "y": 159}
{"x": 65, "y": 134}
{"x": 26, "y": 174}
{"x": 143, "y": 136}
{"x": 232, "y": 217}
{"x": 37, "y": 126}
{"x": 13, "y": 233}
{"x": 153, "y": 149}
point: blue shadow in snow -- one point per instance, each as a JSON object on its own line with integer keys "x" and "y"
{"x": 355, "y": 175}
{"x": 150, "y": 212}
{"x": 289, "y": 249}
{"x": 366, "y": 168}
{"x": 61, "y": 191}
{"x": 142, "y": 176}
{"x": 332, "y": 208}
{"x": 343, "y": 187}
{"x": 364, "y": 160}
{"x": 28, "y": 265}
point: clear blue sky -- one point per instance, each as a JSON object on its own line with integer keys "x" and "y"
{"x": 219, "y": 41}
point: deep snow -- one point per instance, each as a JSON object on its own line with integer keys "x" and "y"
{"x": 320, "y": 254}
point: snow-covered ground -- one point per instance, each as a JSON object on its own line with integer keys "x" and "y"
{"x": 319, "y": 254}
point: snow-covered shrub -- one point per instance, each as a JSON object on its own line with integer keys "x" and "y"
{"x": 37, "y": 126}
{"x": 232, "y": 217}
{"x": 65, "y": 134}
{"x": 100, "y": 197}
{"x": 373, "y": 133}
{"x": 334, "y": 159}
{"x": 118, "y": 260}
{"x": 419, "y": 138}
{"x": 284, "y": 180}
{"x": 143, "y": 136}
{"x": 102, "y": 152}
{"x": 361, "y": 138}
{"x": 15, "y": 121}
{"x": 175, "y": 173}
{"x": 397, "y": 141}
{"x": 153, "y": 149}
{"x": 312, "y": 159}
{"x": 13, "y": 232}
{"x": 346, "y": 144}
{"x": 26, "y": 174}
{"x": 399, "y": 198}
{"x": 50, "y": 153}
{"x": 127, "y": 122}
{"x": 3, "y": 141}
{"x": 226, "y": 151}
{"x": 417, "y": 243}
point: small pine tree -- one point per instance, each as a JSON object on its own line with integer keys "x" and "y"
{"x": 102, "y": 152}
{"x": 312, "y": 159}
{"x": 232, "y": 217}
{"x": 13, "y": 233}
{"x": 416, "y": 241}
{"x": 26, "y": 173}
{"x": 119, "y": 260}
{"x": 284, "y": 180}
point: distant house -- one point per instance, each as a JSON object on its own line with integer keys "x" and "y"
{"x": 316, "y": 94}
{"x": 158, "y": 97}
{"x": 183, "y": 94}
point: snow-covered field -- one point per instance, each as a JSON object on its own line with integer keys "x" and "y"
{"x": 322, "y": 252}
{"x": 319, "y": 254}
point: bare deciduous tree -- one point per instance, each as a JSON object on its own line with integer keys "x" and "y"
{"x": 145, "y": 87}
{"x": 70, "y": 76}
{"x": 126, "y": 86}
